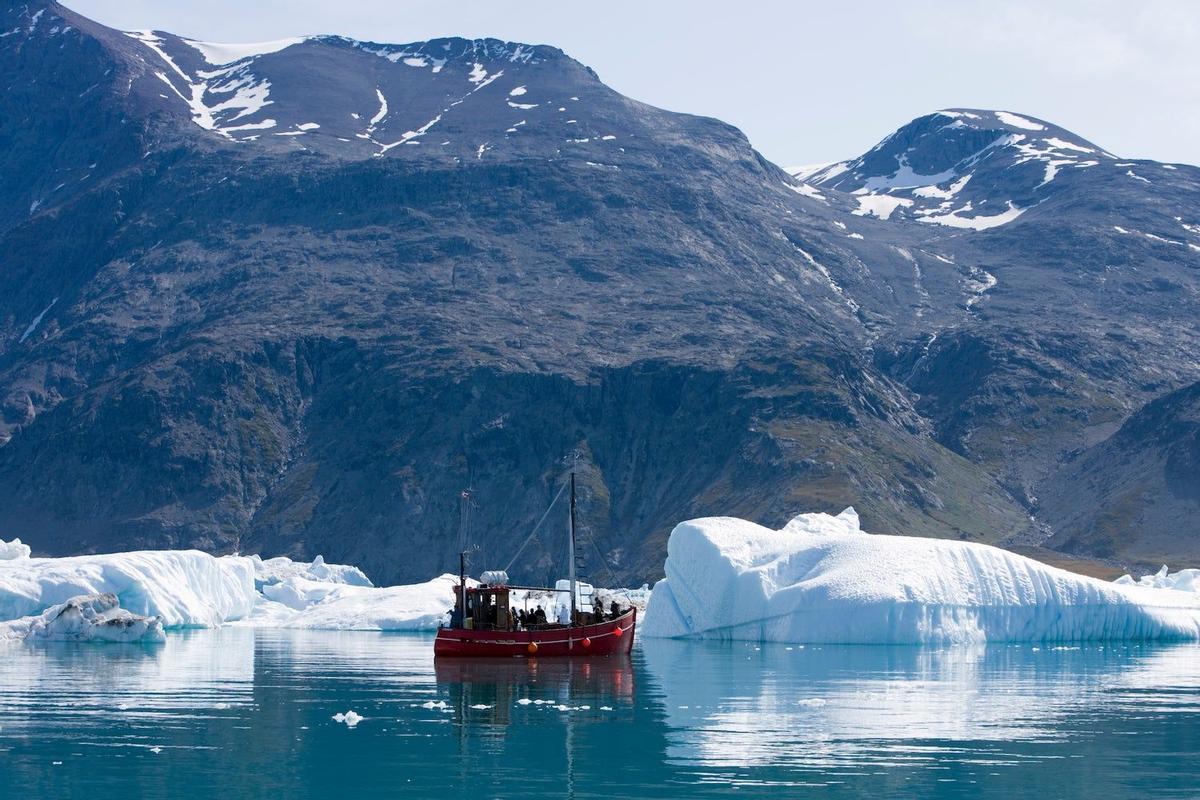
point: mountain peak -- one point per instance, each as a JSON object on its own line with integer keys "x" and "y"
{"x": 962, "y": 167}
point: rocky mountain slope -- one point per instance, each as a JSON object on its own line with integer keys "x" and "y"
{"x": 1137, "y": 493}
{"x": 294, "y": 297}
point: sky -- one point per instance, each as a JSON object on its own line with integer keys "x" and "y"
{"x": 807, "y": 81}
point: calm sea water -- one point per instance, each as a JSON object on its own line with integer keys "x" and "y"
{"x": 248, "y": 714}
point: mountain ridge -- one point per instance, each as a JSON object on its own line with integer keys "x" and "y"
{"x": 300, "y": 344}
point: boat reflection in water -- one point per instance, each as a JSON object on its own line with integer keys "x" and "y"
{"x": 484, "y": 691}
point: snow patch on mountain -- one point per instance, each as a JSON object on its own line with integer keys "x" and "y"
{"x": 221, "y": 53}
{"x": 880, "y": 205}
{"x": 248, "y": 94}
{"x": 981, "y": 222}
{"x": 1017, "y": 121}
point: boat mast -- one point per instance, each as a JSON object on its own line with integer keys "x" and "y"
{"x": 463, "y": 512}
{"x": 571, "y": 549}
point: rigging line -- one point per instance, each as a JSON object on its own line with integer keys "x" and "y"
{"x": 612, "y": 575}
{"x": 529, "y": 539}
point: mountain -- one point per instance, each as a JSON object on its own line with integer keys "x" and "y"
{"x": 294, "y": 297}
{"x": 1136, "y": 495}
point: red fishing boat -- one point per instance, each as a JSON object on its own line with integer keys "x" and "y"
{"x": 485, "y": 622}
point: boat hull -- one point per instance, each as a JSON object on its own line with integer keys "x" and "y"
{"x": 601, "y": 639}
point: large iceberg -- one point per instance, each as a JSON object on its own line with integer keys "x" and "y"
{"x": 90, "y": 618}
{"x": 822, "y": 580}
{"x": 185, "y": 588}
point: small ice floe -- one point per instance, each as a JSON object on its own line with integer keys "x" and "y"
{"x": 481, "y": 706}
{"x": 524, "y": 701}
{"x": 606, "y": 708}
{"x": 351, "y": 718}
{"x": 156, "y": 750}
{"x": 811, "y": 702}
{"x": 87, "y": 618}
{"x": 440, "y": 704}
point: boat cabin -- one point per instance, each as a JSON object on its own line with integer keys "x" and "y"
{"x": 494, "y": 605}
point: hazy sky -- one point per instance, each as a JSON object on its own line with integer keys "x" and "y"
{"x": 807, "y": 81}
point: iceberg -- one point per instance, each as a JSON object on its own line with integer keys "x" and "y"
{"x": 1186, "y": 580}
{"x": 188, "y": 588}
{"x": 301, "y": 603}
{"x": 97, "y": 617}
{"x": 821, "y": 579}
{"x": 275, "y": 570}
{"x": 185, "y": 588}
{"x": 14, "y": 550}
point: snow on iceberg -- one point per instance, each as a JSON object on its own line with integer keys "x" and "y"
{"x": 97, "y": 617}
{"x": 186, "y": 588}
{"x": 14, "y": 550}
{"x": 822, "y": 580}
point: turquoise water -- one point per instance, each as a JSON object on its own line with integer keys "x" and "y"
{"x": 239, "y": 713}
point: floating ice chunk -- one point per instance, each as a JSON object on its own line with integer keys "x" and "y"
{"x": 524, "y": 701}
{"x": 440, "y": 704}
{"x": 351, "y": 718}
{"x": 11, "y": 551}
{"x": 481, "y": 707}
{"x": 811, "y": 702}
{"x": 517, "y": 92}
{"x": 820, "y": 579}
{"x": 88, "y": 618}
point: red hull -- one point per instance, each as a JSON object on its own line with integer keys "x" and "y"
{"x": 602, "y": 639}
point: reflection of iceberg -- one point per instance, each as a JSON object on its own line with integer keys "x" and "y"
{"x": 825, "y": 707}
{"x": 100, "y": 688}
{"x": 821, "y": 579}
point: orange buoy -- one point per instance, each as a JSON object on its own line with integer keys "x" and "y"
{"x": 532, "y": 648}
{"x": 617, "y": 632}
{"x": 587, "y": 643}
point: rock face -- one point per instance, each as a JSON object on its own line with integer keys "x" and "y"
{"x": 1136, "y": 494}
{"x": 294, "y": 297}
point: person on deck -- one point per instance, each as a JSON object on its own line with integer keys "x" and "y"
{"x": 539, "y": 616}
{"x": 614, "y": 610}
